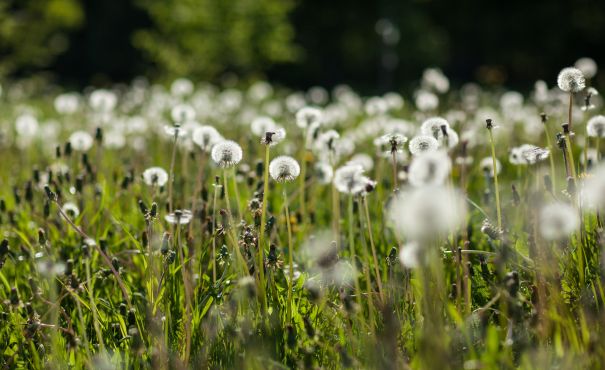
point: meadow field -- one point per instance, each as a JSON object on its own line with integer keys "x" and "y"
{"x": 190, "y": 225}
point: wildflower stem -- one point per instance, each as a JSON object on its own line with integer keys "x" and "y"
{"x": 551, "y": 159}
{"x": 261, "y": 233}
{"x": 394, "y": 163}
{"x": 237, "y": 197}
{"x": 290, "y": 258}
{"x": 598, "y": 149}
{"x": 93, "y": 305}
{"x": 216, "y": 187}
{"x": 302, "y": 177}
{"x": 171, "y": 172}
{"x": 373, "y": 247}
{"x": 496, "y": 187}
{"x": 572, "y": 166}
{"x": 352, "y": 252}
{"x": 188, "y": 293}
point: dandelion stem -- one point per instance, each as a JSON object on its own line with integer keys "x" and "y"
{"x": 352, "y": 252}
{"x": 216, "y": 187}
{"x": 551, "y": 159}
{"x": 373, "y": 247}
{"x": 188, "y": 293}
{"x": 496, "y": 187}
{"x": 290, "y": 260}
{"x": 302, "y": 178}
{"x": 394, "y": 163}
{"x": 93, "y": 305}
{"x": 261, "y": 233}
{"x": 171, "y": 172}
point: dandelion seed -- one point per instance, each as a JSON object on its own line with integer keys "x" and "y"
{"x": 226, "y": 153}
{"x": 571, "y": 80}
{"x": 422, "y": 144}
{"x": 206, "y": 137}
{"x": 558, "y": 221}
{"x": 308, "y": 116}
{"x": 596, "y": 126}
{"x": 349, "y": 179}
{"x": 284, "y": 169}
{"x": 155, "y": 176}
{"x": 431, "y": 168}
{"x": 81, "y": 141}
{"x": 179, "y": 217}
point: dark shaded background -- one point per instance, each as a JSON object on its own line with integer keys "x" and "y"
{"x": 493, "y": 42}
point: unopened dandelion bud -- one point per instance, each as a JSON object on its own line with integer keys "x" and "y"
{"x": 143, "y": 207}
{"x": 565, "y": 127}
{"x": 69, "y": 267}
{"x": 99, "y": 135}
{"x": 561, "y": 141}
{"x": 58, "y": 151}
{"x": 2, "y": 205}
{"x": 16, "y": 195}
{"x": 154, "y": 210}
{"x": 543, "y": 117}
{"x": 170, "y": 257}
{"x": 46, "y": 210}
{"x": 49, "y": 193}
{"x": 36, "y": 175}
{"x": 41, "y": 237}
{"x": 145, "y": 238}
{"x": 493, "y": 232}
{"x": 165, "y": 244}
{"x": 4, "y": 248}
{"x": 79, "y": 183}
{"x": 29, "y": 192}
{"x": 14, "y": 297}
{"x": 115, "y": 263}
{"x": 68, "y": 149}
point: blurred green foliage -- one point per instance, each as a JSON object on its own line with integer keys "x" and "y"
{"x": 204, "y": 38}
{"x": 33, "y": 32}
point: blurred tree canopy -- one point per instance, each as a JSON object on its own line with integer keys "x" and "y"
{"x": 33, "y": 32}
{"x": 372, "y": 45}
{"x": 204, "y": 38}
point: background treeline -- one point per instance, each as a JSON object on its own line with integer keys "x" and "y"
{"x": 372, "y": 45}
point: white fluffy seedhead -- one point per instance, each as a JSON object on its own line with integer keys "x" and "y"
{"x": 226, "y": 153}
{"x": 284, "y": 169}
{"x": 571, "y": 79}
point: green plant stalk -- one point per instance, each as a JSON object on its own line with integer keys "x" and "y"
{"x": 261, "y": 234}
{"x": 497, "y": 188}
{"x": 352, "y": 253}
{"x": 290, "y": 259}
{"x": 241, "y": 262}
{"x": 598, "y": 148}
{"x": 171, "y": 172}
{"x": 188, "y": 294}
{"x": 552, "y": 161}
{"x": 394, "y": 164}
{"x": 570, "y": 156}
{"x": 216, "y": 186}
{"x": 237, "y": 197}
{"x": 373, "y": 248}
{"x": 93, "y": 306}
{"x": 302, "y": 177}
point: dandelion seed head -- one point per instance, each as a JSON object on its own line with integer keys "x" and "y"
{"x": 362, "y": 159}
{"x": 571, "y": 80}
{"x": 226, "y": 153}
{"x": 426, "y": 212}
{"x": 307, "y": 116}
{"x": 349, "y": 179}
{"x": 81, "y": 141}
{"x": 429, "y": 169}
{"x": 27, "y": 125}
{"x": 596, "y": 126}
{"x": 274, "y": 137}
{"x": 409, "y": 255}
{"x": 284, "y": 169}
{"x": 103, "y": 101}
{"x": 205, "y": 137}
{"x": 323, "y": 173}
{"x": 71, "y": 209}
{"x": 422, "y": 144}
{"x": 426, "y": 101}
{"x": 179, "y": 217}
{"x": 558, "y": 220}
{"x": 261, "y": 125}
{"x": 487, "y": 165}
{"x": 587, "y": 66}
{"x": 182, "y": 113}
{"x": 181, "y": 87}
{"x": 434, "y": 79}
{"x": 67, "y": 103}
{"x": 155, "y": 176}
{"x": 433, "y": 127}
